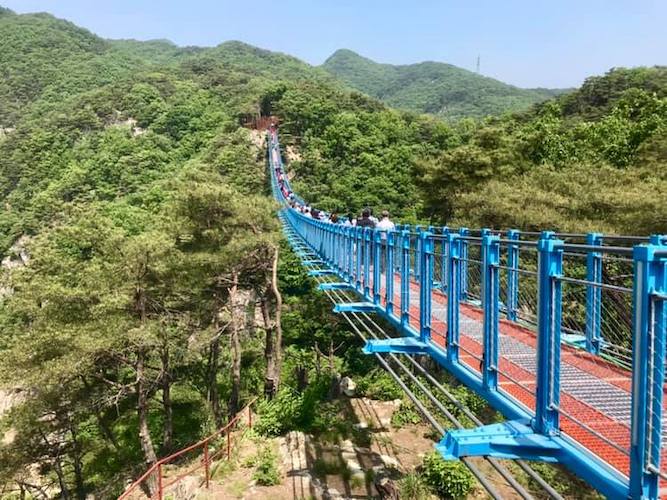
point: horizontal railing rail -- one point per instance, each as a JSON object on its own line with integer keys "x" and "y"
{"x": 153, "y": 479}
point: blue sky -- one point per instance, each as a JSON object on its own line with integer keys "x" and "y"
{"x": 529, "y": 43}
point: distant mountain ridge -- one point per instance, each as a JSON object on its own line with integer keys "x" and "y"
{"x": 432, "y": 87}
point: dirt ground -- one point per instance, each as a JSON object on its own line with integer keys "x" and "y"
{"x": 329, "y": 466}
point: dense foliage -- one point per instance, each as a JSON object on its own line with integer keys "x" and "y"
{"x": 139, "y": 206}
{"x": 431, "y": 87}
{"x": 446, "y": 479}
{"x": 590, "y": 160}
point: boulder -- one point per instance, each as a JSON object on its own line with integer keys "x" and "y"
{"x": 386, "y": 488}
{"x": 348, "y": 386}
{"x": 389, "y": 462}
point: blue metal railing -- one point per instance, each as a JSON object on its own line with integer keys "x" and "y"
{"x": 590, "y": 309}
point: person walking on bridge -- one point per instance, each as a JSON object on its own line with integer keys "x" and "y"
{"x": 385, "y": 224}
{"x": 365, "y": 220}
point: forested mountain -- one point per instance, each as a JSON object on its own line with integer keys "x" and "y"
{"x": 139, "y": 241}
{"x": 432, "y": 87}
{"x": 593, "y": 159}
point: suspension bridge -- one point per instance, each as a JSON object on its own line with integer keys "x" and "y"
{"x": 564, "y": 334}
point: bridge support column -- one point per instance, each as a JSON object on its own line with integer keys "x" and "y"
{"x": 549, "y": 309}
{"x": 512, "y": 299}
{"x": 649, "y": 328}
{"x": 593, "y": 294}
{"x": 490, "y": 293}
{"x": 453, "y": 289}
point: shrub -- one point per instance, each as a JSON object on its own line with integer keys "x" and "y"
{"x": 413, "y": 487}
{"x": 447, "y": 479}
{"x": 405, "y": 415}
{"x": 266, "y": 471}
{"x": 378, "y": 384}
{"x": 280, "y": 414}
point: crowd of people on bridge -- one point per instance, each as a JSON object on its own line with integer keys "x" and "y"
{"x": 366, "y": 218}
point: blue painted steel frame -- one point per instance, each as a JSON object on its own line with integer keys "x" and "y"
{"x": 549, "y": 297}
{"x": 512, "y": 299}
{"x": 490, "y": 293}
{"x": 650, "y": 318}
{"x": 648, "y": 367}
{"x": 593, "y": 294}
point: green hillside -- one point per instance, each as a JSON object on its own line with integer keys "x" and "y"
{"x": 593, "y": 159}
{"x": 146, "y": 315}
{"x": 432, "y": 87}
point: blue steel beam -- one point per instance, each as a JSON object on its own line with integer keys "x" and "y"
{"x": 490, "y": 294}
{"x": 648, "y": 368}
{"x": 593, "y": 294}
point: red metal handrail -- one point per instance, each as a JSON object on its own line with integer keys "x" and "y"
{"x": 205, "y": 462}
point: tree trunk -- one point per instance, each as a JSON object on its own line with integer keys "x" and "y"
{"x": 235, "y": 345}
{"x": 58, "y": 468}
{"x": 165, "y": 382}
{"x": 57, "y": 465}
{"x": 213, "y": 393}
{"x": 270, "y": 377}
{"x": 104, "y": 427}
{"x": 142, "y": 411}
{"x": 77, "y": 465}
{"x": 274, "y": 334}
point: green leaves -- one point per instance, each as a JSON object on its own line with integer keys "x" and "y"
{"x": 448, "y": 479}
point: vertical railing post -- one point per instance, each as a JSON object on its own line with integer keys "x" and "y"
{"x": 512, "y": 292}
{"x": 377, "y": 269}
{"x": 425, "y": 282}
{"x": 359, "y": 241}
{"x": 349, "y": 232}
{"x": 463, "y": 264}
{"x": 342, "y": 255}
{"x": 229, "y": 444}
{"x": 593, "y": 294}
{"x": 207, "y": 471}
{"x": 649, "y": 328}
{"x": 405, "y": 279}
{"x": 431, "y": 230}
{"x": 443, "y": 260}
{"x": 490, "y": 296}
{"x": 453, "y": 296}
{"x": 330, "y": 244}
{"x": 367, "y": 235}
{"x": 389, "y": 272}
{"x": 249, "y": 417}
{"x": 418, "y": 229}
{"x": 482, "y": 233}
{"x": 335, "y": 245}
{"x": 159, "y": 481}
{"x": 549, "y": 310}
